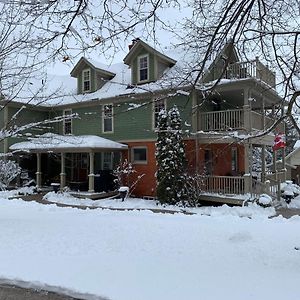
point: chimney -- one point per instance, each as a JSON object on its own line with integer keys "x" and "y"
{"x": 133, "y": 42}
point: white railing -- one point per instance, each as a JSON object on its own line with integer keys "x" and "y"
{"x": 221, "y": 120}
{"x": 234, "y": 119}
{"x": 254, "y": 69}
{"x": 227, "y": 185}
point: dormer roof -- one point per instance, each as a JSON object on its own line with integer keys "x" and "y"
{"x": 138, "y": 44}
{"x": 83, "y": 62}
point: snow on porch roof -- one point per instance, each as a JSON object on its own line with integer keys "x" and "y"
{"x": 50, "y": 142}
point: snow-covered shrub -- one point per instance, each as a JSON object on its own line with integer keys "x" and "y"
{"x": 289, "y": 190}
{"x": 126, "y": 175}
{"x": 265, "y": 200}
{"x": 170, "y": 157}
{"x": 9, "y": 170}
{"x": 193, "y": 184}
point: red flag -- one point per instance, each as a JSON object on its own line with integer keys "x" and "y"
{"x": 279, "y": 141}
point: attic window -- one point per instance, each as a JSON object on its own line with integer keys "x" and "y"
{"x": 143, "y": 64}
{"x": 86, "y": 80}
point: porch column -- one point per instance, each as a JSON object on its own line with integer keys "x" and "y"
{"x": 246, "y": 158}
{"x": 247, "y": 118}
{"x": 38, "y": 170}
{"x": 92, "y": 175}
{"x": 62, "y": 172}
{"x": 263, "y": 163}
{"x": 275, "y": 163}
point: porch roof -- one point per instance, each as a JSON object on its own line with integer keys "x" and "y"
{"x": 50, "y": 142}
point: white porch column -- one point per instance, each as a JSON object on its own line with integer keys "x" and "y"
{"x": 38, "y": 170}
{"x": 92, "y": 175}
{"x": 263, "y": 163}
{"x": 62, "y": 172}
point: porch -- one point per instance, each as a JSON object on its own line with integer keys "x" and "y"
{"x": 239, "y": 189}
{"x": 84, "y": 148}
{"x": 235, "y": 119}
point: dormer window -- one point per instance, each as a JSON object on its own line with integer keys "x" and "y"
{"x": 86, "y": 80}
{"x": 143, "y": 66}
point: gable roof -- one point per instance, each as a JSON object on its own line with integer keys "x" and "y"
{"x": 101, "y": 68}
{"x": 138, "y": 44}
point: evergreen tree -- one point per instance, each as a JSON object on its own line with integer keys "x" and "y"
{"x": 170, "y": 156}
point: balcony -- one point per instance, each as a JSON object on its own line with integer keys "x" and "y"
{"x": 251, "y": 69}
{"x": 235, "y": 119}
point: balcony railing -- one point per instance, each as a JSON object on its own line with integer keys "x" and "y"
{"x": 254, "y": 69}
{"x": 237, "y": 119}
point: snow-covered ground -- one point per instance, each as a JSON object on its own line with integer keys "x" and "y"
{"x": 217, "y": 253}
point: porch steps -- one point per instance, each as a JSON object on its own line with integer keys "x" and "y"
{"x": 223, "y": 199}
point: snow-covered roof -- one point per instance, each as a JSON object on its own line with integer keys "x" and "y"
{"x": 50, "y": 142}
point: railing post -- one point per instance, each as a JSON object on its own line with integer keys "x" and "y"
{"x": 248, "y": 185}
{"x": 267, "y": 187}
{"x": 247, "y": 117}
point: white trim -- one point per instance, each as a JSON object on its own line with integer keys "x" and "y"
{"x": 139, "y": 162}
{"x": 64, "y": 121}
{"x": 138, "y": 67}
{"x": 83, "y": 81}
{"x": 112, "y": 117}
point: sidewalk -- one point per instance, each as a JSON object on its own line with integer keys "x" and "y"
{"x": 288, "y": 212}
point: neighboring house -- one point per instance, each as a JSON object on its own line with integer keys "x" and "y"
{"x": 121, "y": 103}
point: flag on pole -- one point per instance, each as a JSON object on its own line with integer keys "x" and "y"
{"x": 279, "y": 141}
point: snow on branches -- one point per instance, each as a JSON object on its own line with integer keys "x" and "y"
{"x": 170, "y": 156}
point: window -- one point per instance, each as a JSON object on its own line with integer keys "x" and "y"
{"x": 158, "y": 106}
{"x": 208, "y": 162}
{"x": 139, "y": 155}
{"x": 234, "y": 159}
{"x": 143, "y": 68}
{"x": 108, "y": 118}
{"x": 86, "y": 80}
{"x": 67, "y": 123}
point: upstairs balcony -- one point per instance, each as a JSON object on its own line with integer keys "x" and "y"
{"x": 236, "y": 119}
{"x": 251, "y": 69}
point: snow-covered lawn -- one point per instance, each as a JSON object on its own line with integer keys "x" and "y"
{"x": 141, "y": 255}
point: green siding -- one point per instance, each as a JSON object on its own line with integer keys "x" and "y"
{"x": 128, "y": 123}
{"x": 25, "y": 117}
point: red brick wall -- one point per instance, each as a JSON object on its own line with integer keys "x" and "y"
{"x": 221, "y": 156}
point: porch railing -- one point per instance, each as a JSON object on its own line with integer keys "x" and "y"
{"x": 254, "y": 69}
{"x": 235, "y": 119}
{"x": 239, "y": 185}
{"x": 227, "y": 185}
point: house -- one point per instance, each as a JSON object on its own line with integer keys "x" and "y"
{"x": 119, "y": 104}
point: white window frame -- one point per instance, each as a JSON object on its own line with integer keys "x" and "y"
{"x": 67, "y": 112}
{"x": 139, "y": 162}
{"x": 89, "y": 80}
{"x": 104, "y": 117}
{"x": 139, "y": 68}
{"x": 156, "y": 111}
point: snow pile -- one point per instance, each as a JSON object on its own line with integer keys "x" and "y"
{"x": 17, "y": 192}
{"x": 251, "y": 211}
{"x": 126, "y": 255}
{"x": 289, "y": 190}
{"x": 265, "y": 200}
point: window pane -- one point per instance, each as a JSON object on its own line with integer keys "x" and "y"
{"x": 107, "y": 125}
{"x": 143, "y": 68}
{"x": 158, "y": 106}
{"x": 86, "y": 80}
{"x": 107, "y": 118}
{"x": 139, "y": 154}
